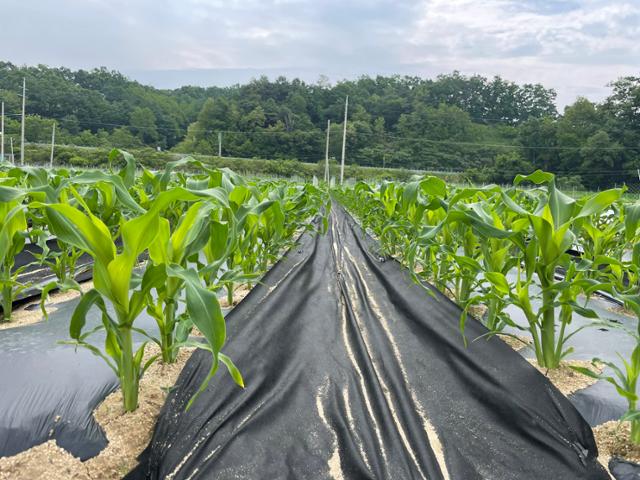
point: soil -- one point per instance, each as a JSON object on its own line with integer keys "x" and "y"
{"x": 516, "y": 342}
{"x": 565, "y": 378}
{"x": 239, "y": 293}
{"x": 30, "y": 313}
{"x": 620, "y": 310}
{"x": 128, "y": 433}
{"x": 613, "y": 440}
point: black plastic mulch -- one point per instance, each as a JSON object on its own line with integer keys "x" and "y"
{"x": 354, "y": 371}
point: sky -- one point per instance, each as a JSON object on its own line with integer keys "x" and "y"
{"x": 574, "y": 46}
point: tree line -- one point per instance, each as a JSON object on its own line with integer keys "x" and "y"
{"x": 489, "y": 128}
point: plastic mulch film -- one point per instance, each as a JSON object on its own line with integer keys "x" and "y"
{"x": 354, "y": 371}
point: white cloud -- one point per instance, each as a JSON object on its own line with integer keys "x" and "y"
{"x": 575, "y": 46}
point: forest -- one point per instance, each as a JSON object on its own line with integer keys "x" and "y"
{"x": 491, "y": 129}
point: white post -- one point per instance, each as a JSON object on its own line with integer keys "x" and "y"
{"x": 53, "y": 143}
{"x": 220, "y": 144}
{"x": 326, "y": 154}
{"x": 2, "y": 133}
{"x": 24, "y": 99}
{"x": 13, "y": 159}
{"x": 344, "y": 138}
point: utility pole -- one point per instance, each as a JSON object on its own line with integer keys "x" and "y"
{"x": 2, "y": 133}
{"x": 13, "y": 159}
{"x": 220, "y": 144}
{"x": 344, "y": 138}
{"x": 326, "y": 154}
{"x": 24, "y": 99}
{"x": 53, "y": 143}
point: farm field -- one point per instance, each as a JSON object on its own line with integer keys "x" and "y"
{"x": 377, "y": 329}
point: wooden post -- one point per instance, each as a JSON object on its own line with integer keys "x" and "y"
{"x": 2, "y": 133}
{"x": 326, "y": 155}
{"x": 53, "y": 143}
{"x": 24, "y": 100}
{"x": 344, "y": 138}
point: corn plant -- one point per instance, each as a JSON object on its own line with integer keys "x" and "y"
{"x": 174, "y": 249}
{"x": 467, "y": 240}
{"x": 13, "y": 231}
{"x": 61, "y": 261}
{"x": 622, "y": 276}
{"x": 545, "y": 249}
{"x": 625, "y": 378}
{"x": 115, "y": 283}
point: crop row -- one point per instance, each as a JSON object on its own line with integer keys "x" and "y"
{"x": 536, "y": 249}
{"x": 164, "y": 243}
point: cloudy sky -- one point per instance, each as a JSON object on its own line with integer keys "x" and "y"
{"x": 574, "y": 46}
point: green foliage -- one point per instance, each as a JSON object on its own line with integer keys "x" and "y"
{"x": 13, "y": 230}
{"x": 147, "y": 233}
{"x": 471, "y": 124}
{"x": 467, "y": 240}
{"x": 497, "y": 246}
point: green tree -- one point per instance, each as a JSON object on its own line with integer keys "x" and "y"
{"x": 143, "y": 125}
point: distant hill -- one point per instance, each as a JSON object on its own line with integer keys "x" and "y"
{"x": 491, "y": 127}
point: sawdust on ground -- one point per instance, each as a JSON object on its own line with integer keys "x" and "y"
{"x": 30, "y": 312}
{"x": 614, "y": 440}
{"x": 620, "y": 310}
{"x": 565, "y": 378}
{"x": 128, "y": 433}
{"x": 517, "y": 342}
{"x": 239, "y": 293}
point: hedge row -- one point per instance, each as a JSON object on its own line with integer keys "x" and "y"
{"x": 97, "y": 158}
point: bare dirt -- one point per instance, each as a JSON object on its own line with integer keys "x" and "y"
{"x": 128, "y": 433}
{"x": 565, "y": 378}
{"x": 239, "y": 293}
{"x": 620, "y": 310}
{"x": 613, "y": 440}
{"x": 516, "y": 342}
{"x": 30, "y": 312}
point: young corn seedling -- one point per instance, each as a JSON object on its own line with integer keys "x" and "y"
{"x": 175, "y": 249}
{"x": 625, "y": 378}
{"x": 544, "y": 248}
{"x": 115, "y": 283}
{"x": 13, "y": 230}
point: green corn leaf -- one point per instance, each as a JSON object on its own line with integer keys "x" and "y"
{"x": 538, "y": 177}
{"x": 9, "y": 194}
{"x": 205, "y": 313}
{"x": 79, "y": 317}
{"x": 128, "y": 173}
{"x": 499, "y": 282}
{"x": 188, "y": 237}
{"x": 94, "y": 176}
{"x": 561, "y": 206}
{"x": 631, "y": 220}
{"x": 599, "y": 202}
{"x": 85, "y": 232}
{"x": 233, "y": 370}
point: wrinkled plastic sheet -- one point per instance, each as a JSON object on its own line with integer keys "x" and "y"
{"x": 36, "y": 275}
{"x": 354, "y": 371}
{"x": 599, "y": 402}
{"x": 49, "y": 390}
{"x": 623, "y": 470}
